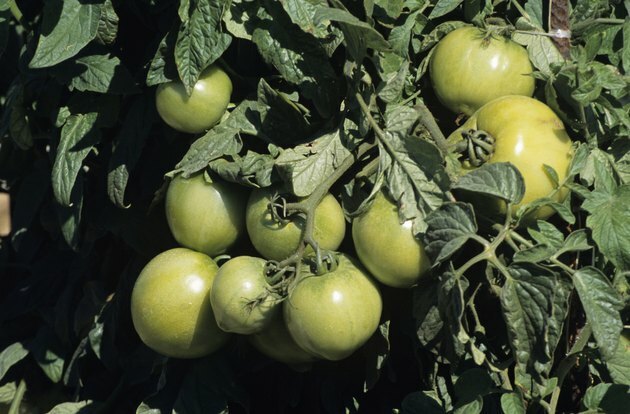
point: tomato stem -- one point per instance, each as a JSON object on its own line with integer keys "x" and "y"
{"x": 17, "y": 13}
{"x": 428, "y": 121}
{"x": 17, "y": 398}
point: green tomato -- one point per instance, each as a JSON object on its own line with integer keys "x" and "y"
{"x": 469, "y": 69}
{"x": 277, "y": 241}
{"x": 205, "y": 216}
{"x": 239, "y": 296}
{"x": 529, "y": 135}
{"x": 276, "y": 342}
{"x": 387, "y": 247}
{"x": 202, "y": 109}
{"x": 332, "y": 315}
{"x": 170, "y": 305}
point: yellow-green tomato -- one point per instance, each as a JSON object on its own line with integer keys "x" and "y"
{"x": 276, "y": 241}
{"x": 241, "y": 298}
{"x": 529, "y": 135}
{"x": 332, "y": 315}
{"x": 387, "y": 247}
{"x": 202, "y": 109}
{"x": 170, "y": 305}
{"x": 469, "y": 69}
{"x": 205, "y": 216}
{"x": 276, "y": 342}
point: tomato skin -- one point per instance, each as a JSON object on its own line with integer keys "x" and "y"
{"x": 386, "y": 247}
{"x": 202, "y": 109}
{"x": 277, "y": 241}
{"x": 466, "y": 72}
{"x": 240, "y": 281}
{"x": 170, "y": 305}
{"x": 203, "y": 216}
{"x": 529, "y": 135}
{"x": 276, "y": 342}
{"x": 332, "y": 315}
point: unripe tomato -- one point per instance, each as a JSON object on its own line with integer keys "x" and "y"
{"x": 202, "y": 109}
{"x": 529, "y": 135}
{"x": 239, "y": 296}
{"x": 387, "y": 247}
{"x": 469, "y": 69}
{"x": 277, "y": 241}
{"x": 170, "y": 305}
{"x": 332, "y": 315}
{"x": 276, "y": 342}
{"x": 205, "y": 216}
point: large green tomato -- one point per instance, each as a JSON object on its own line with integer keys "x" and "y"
{"x": 332, "y": 315}
{"x": 205, "y": 216}
{"x": 170, "y": 305}
{"x": 469, "y": 69}
{"x": 202, "y": 109}
{"x": 239, "y": 296}
{"x": 276, "y": 342}
{"x": 529, "y": 135}
{"x": 387, "y": 247}
{"x": 277, "y": 241}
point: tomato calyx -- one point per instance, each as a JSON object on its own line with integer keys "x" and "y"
{"x": 477, "y": 146}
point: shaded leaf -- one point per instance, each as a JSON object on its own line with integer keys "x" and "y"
{"x": 448, "y": 228}
{"x": 608, "y": 398}
{"x": 502, "y": 180}
{"x": 10, "y": 356}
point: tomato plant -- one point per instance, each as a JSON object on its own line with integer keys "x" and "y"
{"x": 332, "y": 315}
{"x": 238, "y": 297}
{"x": 198, "y": 110}
{"x": 205, "y": 216}
{"x": 170, "y": 305}
{"x": 276, "y": 237}
{"x": 490, "y": 230}
{"x": 387, "y": 247}
{"x": 470, "y": 68}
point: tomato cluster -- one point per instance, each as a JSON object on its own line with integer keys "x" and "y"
{"x": 184, "y": 305}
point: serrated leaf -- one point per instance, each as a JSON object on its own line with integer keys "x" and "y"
{"x": 307, "y": 165}
{"x": 601, "y": 304}
{"x": 67, "y": 26}
{"x": 619, "y": 364}
{"x": 163, "y": 68}
{"x": 546, "y": 233}
{"x": 302, "y": 13}
{"x": 81, "y": 407}
{"x": 451, "y": 305}
{"x": 620, "y": 150}
{"x": 501, "y": 179}
{"x": 391, "y": 88}
{"x": 299, "y": 57}
{"x": 527, "y": 300}
{"x": 607, "y": 398}
{"x": 107, "y": 24}
{"x": 78, "y": 137}
{"x": 610, "y": 224}
{"x": 223, "y": 139}
{"x": 98, "y": 73}
{"x": 254, "y": 170}
{"x": 10, "y": 356}
{"x": 512, "y": 403}
{"x": 200, "y": 40}
{"x": 400, "y": 36}
{"x": 443, "y": 7}
{"x": 540, "y": 48}
{"x": 448, "y": 228}
{"x": 128, "y": 147}
{"x": 426, "y": 313}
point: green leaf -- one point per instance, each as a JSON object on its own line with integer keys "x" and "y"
{"x": 107, "y": 24}
{"x": 302, "y": 13}
{"x": 376, "y": 352}
{"x": 451, "y": 305}
{"x": 391, "y": 88}
{"x": 10, "y": 356}
{"x": 5, "y": 17}
{"x": 470, "y": 389}
{"x": 619, "y": 364}
{"x": 16, "y": 117}
{"x": 527, "y": 300}
{"x": 625, "y": 51}
{"x": 78, "y": 138}
{"x": 48, "y": 351}
{"x": 254, "y": 170}
{"x": 601, "y": 304}
{"x": 608, "y": 398}
{"x": 81, "y": 407}
{"x": 542, "y": 52}
{"x": 128, "y": 147}
{"x": 513, "y": 403}
{"x": 358, "y": 35}
{"x": 501, "y": 179}
{"x": 200, "y": 40}
{"x": 448, "y": 228}
{"x": 307, "y": 165}
{"x": 98, "y": 73}
{"x": 620, "y": 150}
{"x": 443, "y": 7}
{"x": 163, "y": 68}
{"x": 426, "y": 313}
{"x": 69, "y": 216}
{"x": 68, "y": 25}
{"x": 223, "y": 139}
{"x": 420, "y": 403}
{"x": 610, "y": 224}
{"x": 400, "y": 36}
{"x": 299, "y": 57}
{"x": 7, "y": 392}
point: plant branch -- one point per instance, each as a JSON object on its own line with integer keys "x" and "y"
{"x": 428, "y": 121}
{"x": 17, "y": 399}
